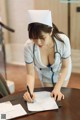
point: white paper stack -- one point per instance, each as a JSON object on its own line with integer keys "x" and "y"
{"x": 8, "y": 111}
{"x": 42, "y": 102}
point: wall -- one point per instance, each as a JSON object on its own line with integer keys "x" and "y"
{"x": 75, "y": 26}
{"x": 59, "y": 12}
{"x": 75, "y": 36}
{"x": 3, "y": 15}
{"x": 17, "y": 18}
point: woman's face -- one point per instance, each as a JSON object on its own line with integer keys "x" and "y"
{"x": 43, "y": 40}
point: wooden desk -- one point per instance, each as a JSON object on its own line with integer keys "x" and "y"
{"x": 70, "y": 109}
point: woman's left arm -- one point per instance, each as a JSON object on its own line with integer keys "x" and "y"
{"x": 56, "y": 93}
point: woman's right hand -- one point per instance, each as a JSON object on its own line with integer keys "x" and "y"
{"x": 27, "y": 97}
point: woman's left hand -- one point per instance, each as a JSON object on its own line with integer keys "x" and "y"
{"x": 56, "y": 93}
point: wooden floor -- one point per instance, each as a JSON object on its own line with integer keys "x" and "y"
{"x": 17, "y": 74}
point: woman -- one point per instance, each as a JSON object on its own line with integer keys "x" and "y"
{"x": 48, "y": 50}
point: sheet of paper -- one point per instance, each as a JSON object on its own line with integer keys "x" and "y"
{"x": 16, "y": 112}
{"x": 5, "y": 106}
{"x": 42, "y": 102}
{"x": 11, "y": 111}
{"x": 6, "y": 103}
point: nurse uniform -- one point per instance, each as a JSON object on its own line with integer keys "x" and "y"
{"x": 50, "y": 73}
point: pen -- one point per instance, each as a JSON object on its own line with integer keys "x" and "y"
{"x": 29, "y": 91}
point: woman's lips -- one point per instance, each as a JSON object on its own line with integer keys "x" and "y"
{"x": 40, "y": 45}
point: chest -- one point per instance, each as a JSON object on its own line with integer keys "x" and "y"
{"x": 47, "y": 56}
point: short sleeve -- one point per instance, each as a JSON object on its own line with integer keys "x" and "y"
{"x": 66, "y": 48}
{"x": 28, "y": 53}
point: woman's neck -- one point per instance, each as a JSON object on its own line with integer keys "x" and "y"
{"x": 51, "y": 43}
{"x": 49, "y": 47}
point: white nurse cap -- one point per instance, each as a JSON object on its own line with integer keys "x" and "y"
{"x": 40, "y": 16}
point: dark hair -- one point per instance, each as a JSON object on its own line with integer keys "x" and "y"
{"x": 35, "y": 29}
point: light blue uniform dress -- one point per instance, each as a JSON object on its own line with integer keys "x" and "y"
{"x": 49, "y": 74}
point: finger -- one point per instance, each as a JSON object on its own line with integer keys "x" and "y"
{"x": 52, "y": 94}
{"x": 27, "y": 97}
{"x": 62, "y": 97}
{"x": 59, "y": 97}
{"x": 33, "y": 97}
{"x": 55, "y": 96}
{"x": 24, "y": 97}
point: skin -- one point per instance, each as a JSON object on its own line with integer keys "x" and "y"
{"x": 47, "y": 56}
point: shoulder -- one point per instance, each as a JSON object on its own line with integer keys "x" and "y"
{"x": 63, "y": 46}
{"x": 64, "y": 38}
{"x": 28, "y": 44}
{"x": 66, "y": 49}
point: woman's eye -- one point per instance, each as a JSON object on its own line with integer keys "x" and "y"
{"x": 42, "y": 38}
{"x": 34, "y": 39}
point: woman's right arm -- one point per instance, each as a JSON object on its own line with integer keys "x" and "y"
{"x": 30, "y": 80}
